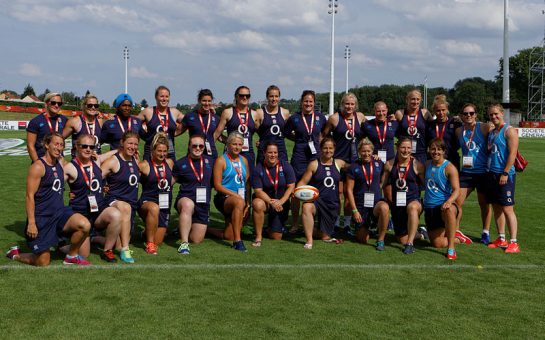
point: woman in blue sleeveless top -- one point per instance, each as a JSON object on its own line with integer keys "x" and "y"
{"x": 272, "y": 119}
{"x": 231, "y": 173}
{"x": 442, "y": 189}
{"x": 203, "y": 121}
{"x": 160, "y": 118}
{"x": 156, "y": 197}
{"x": 503, "y": 144}
{"x": 404, "y": 176}
{"x": 87, "y": 123}
{"x": 47, "y": 217}
{"x": 87, "y": 198}
{"x": 472, "y": 139}
{"x": 122, "y": 174}
{"x": 323, "y": 173}
{"x": 364, "y": 181}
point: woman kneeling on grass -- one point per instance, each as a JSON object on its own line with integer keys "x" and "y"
{"x": 364, "y": 181}
{"x": 194, "y": 173}
{"x": 230, "y": 180}
{"x": 87, "y": 198}
{"x": 154, "y": 203}
{"x": 48, "y": 218}
{"x": 122, "y": 173}
{"x": 323, "y": 173}
{"x": 442, "y": 189}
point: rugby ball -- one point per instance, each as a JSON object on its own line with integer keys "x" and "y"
{"x": 306, "y": 193}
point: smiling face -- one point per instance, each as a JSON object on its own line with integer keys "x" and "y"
{"x": 162, "y": 98}
{"x": 404, "y": 150}
{"x": 55, "y": 147}
{"x": 308, "y": 104}
{"x": 85, "y": 147}
{"x": 469, "y": 115}
{"x": 496, "y": 115}
{"x": 349, "y": 105}
{"x": 91, "y": 107}
{"x": 242, "y": 97}
{"x": 271, "y": 155}
{"x": 381, "y": 112}
{"x": 206, "y": 103}
{"x": 414, "y": 98}
{"x": 441, "y": 111}
{"x": 366, "y": 152}
{"x": 437, "y": 153}
{"x": 129, "y": 146}
{"x": 159, "y": 153}
{"x": 196, "y": 147}
{"x": 53, "y": 106}
{"x": 273, "y": 98}
{"x": 125, "y": 109}
{"x": 234, "y": 146}
{"x": 327, "y": 149}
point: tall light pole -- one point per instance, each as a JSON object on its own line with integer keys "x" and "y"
{"x": 346, "y": 56}
{"x": 426, "y": 92}
{"x": 506, "y": 100}
{"x": 126, "y": 58}
{"x": 332, "y": 10}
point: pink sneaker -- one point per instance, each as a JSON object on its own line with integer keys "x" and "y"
{"x": 463, "y": 238}
{"x": 77, "y": 260}
{"x": 13, "y": 251}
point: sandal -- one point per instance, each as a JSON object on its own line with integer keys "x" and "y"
{"x": 334, "y": 240}
{"x": 308, "y": 246}
{"x": 256, "y": 243}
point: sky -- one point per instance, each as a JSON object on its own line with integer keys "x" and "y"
{"x": 188, "y": 45}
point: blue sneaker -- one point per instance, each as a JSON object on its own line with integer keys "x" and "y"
{"x": 184, "y": 248}
{"x": 485, "y": 238}
{"x": 380, "y": 245}
{"x": 422, "y": 233}
{"x": 408, "y": 249}
{"x": 126, "y": 255}
{"x": 239, "y": 245}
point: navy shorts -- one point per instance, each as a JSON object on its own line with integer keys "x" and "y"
{"x": 477, "y": 181}
{"x": 276, "y": 220}
{"x": 369, "y": 219}
{"x": 503, "y": 195}
{"x": 164, "y": 214}
{"x": 400, "y": 218}
{"x": 201, "y": 212}
{"x": 50, "y": 230}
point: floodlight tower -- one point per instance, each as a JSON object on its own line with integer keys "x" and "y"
{"x": 126, "y": 58}
{"x": 505, "y": 98}
{"x": 346, "y": 56}
{"x": 332, "y": 10}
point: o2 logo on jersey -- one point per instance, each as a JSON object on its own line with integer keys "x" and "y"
{"x": 133, "y": 180}
{"x": 401, "y": 184}
{"x": 242, "y": 129}
{"x": 163, "y": 185}
{"x": 493, "y": 148}
{"x": 348, "y": 135}
{"x": 95, "y": 185}
{"x": 159, "y": 128}
{"x": 329, "y": 182}
{"x": 432, "y": 186}
{"x": 275, "y": 130}
{"x": 56, "y": 186}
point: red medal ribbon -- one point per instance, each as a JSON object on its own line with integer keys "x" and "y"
{"x": 121, "y": 124}
{"x": 275, "y": 182}
{"x": 51, "y": 126}
{"x": 157, "y": 173}
{"x": 89, "y": 179}
{"x": 201, "y": 177}
{"x": 164, "y": 124}
{"x": 311, "y": 123}
{"x": 381, "y": 138}
{"x": 369, "y": 180}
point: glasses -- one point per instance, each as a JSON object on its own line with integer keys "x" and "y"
{"x": 87, "y": 146}
{"x": 197, "y": 146}
{"x": 244, "y": 95}
{"x": 125, "y": 105}
{"x": 470, "y": 113}
{"x": 92, "y": 106}
{"x": 53, "y": 103}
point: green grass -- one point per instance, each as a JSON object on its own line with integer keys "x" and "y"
{"x": 16, "y": 115}
{"x": 280, "y": 290}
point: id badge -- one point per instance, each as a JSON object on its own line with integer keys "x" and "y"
{"x": 467, "y": 161}
{"x": 163, "y": 201}
{"x": 369, "y": 199}
{"x": 201, "y": 194}
{"x": 93, "y": 205}
{"x": 382, "y": 155}
{"x": 401, "y": 199}
{"x": 242, "y": 193}
{"x": 246, "y": 145}
{"x": 208, "y": 148}
{"x": 312, "y": 147}
{"x": 413, "y": 146}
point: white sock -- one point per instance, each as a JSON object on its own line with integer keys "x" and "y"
{"x": 485, "y": 231}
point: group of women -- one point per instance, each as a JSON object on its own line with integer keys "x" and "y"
{"x": 343, "y": 156}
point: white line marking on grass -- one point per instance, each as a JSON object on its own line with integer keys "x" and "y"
{"x": 213, "y": 266}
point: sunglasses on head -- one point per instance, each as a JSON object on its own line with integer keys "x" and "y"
{"x": 244, "y": 95}
{"x": 87, "y": 146}
{"x": 197, "y": 146}
{"x": 91, "y": 106}
{"x": 53, "y": 103}
{"x": 469, "y": 113}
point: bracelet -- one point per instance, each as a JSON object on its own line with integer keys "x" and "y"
{"x": 354, "y": 211}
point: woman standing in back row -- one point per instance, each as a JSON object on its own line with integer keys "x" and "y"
{"x": 272, "y": 120}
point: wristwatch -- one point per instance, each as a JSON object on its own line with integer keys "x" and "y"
{"x": 505, "y": 173}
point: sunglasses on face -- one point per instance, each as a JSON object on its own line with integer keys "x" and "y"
{"x": 470, "y": 113}
{"x": 53, "y": 103}
{"x": 92, "y": 106}
{"x": 87, "y": 146}
{"x": 244, "y": 95}
{"x": 197, "y": 146}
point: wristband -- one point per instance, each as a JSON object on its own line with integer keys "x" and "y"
{"x": 354, "y": 211}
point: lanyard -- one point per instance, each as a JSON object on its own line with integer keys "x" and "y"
{"x": 470, "y": 136}
{"x": 275, "y": 182}
{"x": 207, "y": 125}
{"x": 494, "y": 136}
{"x": 89, "y": 179}
{"x": 90, "y": 130}
{"x": 441, "y": 134}
{"x": 164, "y": 124}
{"x": 157, "y": 173}
{"x": 381, "y": 138}
{"x": 201, "y": 176}
{"x": 311, "y": 123}
{"x": 349, "y": 127}
{"x": 404, "y": 177}
{"x": 409, "y": 121}
{"x": 51, "y": 126}
{"x": 121, "y": 124}
{"x": 242, "y": 122}
{"x": 369, "y": 180}
{"x": 237, "y": 169}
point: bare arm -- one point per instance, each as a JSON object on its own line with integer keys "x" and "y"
{"x": 399, "y": 115}
{"x": 35, "y": 174}
{"x": 452, "y": 175}
{"x": 70, "y": 127}
{"x": 331, "y": 123}
{"x": 225, "y": 116}
{"x": 31, "y": 148}
{"x": 512, "y": 145}
{"x": 311, "y": 169}
{"x": 386, "y": 186}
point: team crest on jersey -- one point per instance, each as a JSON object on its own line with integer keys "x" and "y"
{"x": 389, "y": 123}
{"x": 206, "y": 160}
{"x": 131, "y": 170}
{"x": 328, "y": 173}
{"x": 376, "y": 165}
{"x": 274, "y": 121}
{"x": 184, "y": 166}
{"x": 508, "y": 193}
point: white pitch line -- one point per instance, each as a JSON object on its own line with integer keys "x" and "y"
{"x": 213, "y": 266}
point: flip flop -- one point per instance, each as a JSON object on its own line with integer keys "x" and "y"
{"x": 308, "y": 246}
{"x": 256, "y": 244}
{"x": 333, "y": 240}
